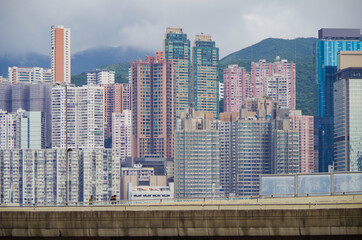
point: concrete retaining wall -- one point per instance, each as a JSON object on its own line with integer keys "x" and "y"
{"x": 276, "y": 222}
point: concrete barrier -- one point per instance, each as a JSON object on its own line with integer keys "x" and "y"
{"x": 209, "y": 219}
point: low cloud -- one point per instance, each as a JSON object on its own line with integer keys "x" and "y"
{"x": 25, "y": 25}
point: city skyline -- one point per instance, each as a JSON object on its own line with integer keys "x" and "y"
{"x": 174, "y": 126}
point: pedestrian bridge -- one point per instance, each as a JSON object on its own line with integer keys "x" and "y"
{"x": 316, "y": 217}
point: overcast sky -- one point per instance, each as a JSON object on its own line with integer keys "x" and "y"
{"x": 233, "y": 24}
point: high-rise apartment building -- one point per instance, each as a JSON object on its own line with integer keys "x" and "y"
{"x": 152, "y": 107}
{"x": 236, "y": 87}
{"x": 22, "y": 130}
{"x": 101, "y": 174}
{"x": 197, "y": 160}
{"x": 32, "y": 130}
{"x": 117, "y": 98}
{"x": 38, "y": 176}
{"x": 259, "y": 70}
{"x": 100, "y": 77}
{"x": 85, "y": 118}
{"x": 29, "y": 97}
{"x": 205, "y": 71}
{"x": 285, "y": 148}
{"x": 282, "y": 73}
{"x": 122, "y": 133}
{"x": 254, "y": 154}
{"x": 305, "y": 125}
{"x": 9, "y": 129}
{"x": 177, "y": 51}
{"x": 228, "y": 160}
{"x": 60, "y": 54}
{"x": 330, "y": 42}
{"x": 246, "y": 148}
{"x": 278, "y": 87}
{"x": 347, "y": 113}
{"x": 29, "y": 75}
{"x": 258, "y": 139}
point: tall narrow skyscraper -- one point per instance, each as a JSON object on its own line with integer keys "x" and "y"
{"x": 152, "y": 108}
{"x": 60, "y": 54}
{"x": 330, "y": 42}
{"x": 205, "y": 60}
{"x": 347, "y": 113}
{"x": 177, "y": 51}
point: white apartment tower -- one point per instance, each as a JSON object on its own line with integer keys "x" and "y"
{"x": 122, "y": 132}
{"x": 85, "y": 118}
{"x": 29, "y": 75}
{"x": 60, "y": 54}
{"x": 100, "y": 77}
{"x": 9, "y": 129}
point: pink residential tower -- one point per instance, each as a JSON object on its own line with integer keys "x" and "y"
{"x": 305, "y": 125}
{"x": 236, "y": 87}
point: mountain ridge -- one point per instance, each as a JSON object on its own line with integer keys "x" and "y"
{"x": 299, "y": 50}
{"x": 81, "y": 61}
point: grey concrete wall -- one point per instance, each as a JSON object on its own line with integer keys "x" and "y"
{"x": 93, "y": 223}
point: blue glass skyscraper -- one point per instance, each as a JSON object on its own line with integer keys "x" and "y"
{"x": 330, "y": 42}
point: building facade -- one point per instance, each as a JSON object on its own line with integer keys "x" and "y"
{"x": 205, "y": 65}
{"x": 122, "y": 133}
{"x": 9, "y": 129}
{"x": 29, "y": 75}
{"x": 152, "y": 107}
{"x": 259, "y": 139}
{"x": 330, "y": 42}
{"x": 38, "y": 176}
{"x": 236, "y": 87}
{"x": 281, "y": 75}
{"x": 22, "y": 130}
{"x": 100, "y": 174}
{"x": 60, "y": 54}
{"x": 84, "y": 119}
{"x": 117, "y": 98}
{"x": 29, "y": 97}
{"x": 197, "y": 160}
{"x": 150, "y": 192}
{"x": 285, "y": 142}
{"x": 221, "y": 91}
{"x": 177, "y": 51}
{"x": 347, "y": 114}
{"x": 305, "y": 125}
{"x": 100, "y": 77}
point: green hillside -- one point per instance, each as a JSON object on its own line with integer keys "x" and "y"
{"x": 270, "y": 48}
{"x": 298, "y": 50}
